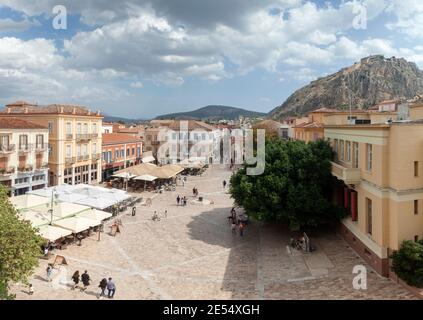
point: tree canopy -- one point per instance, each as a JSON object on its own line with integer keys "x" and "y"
{"x": 20, "y": 246}
{"x": 295, "y": 187}
{"x": 407, "y": 263}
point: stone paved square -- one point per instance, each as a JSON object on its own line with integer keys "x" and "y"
{"x": 192, "y": 254}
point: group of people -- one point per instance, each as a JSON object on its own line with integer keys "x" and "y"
{"x": 104, "y": 284}
{"x": 233, "y": 220}
{"x": 181, "y": 200}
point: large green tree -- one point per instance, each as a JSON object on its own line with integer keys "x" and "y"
{"x": 407, "y": 263}
{"x": 295, "y": 187}
{"x": 20, "y": 246}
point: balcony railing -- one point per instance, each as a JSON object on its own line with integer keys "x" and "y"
{"x": 5, "y": 149}
{"x": 348, "y": 175}
{"x": 7, "y": 171}
{"x": 94, "y": 135}
{"x": 69, "y": 136}
{"x": 24, "y": 149}
{"x": 96, "y": 156}
{"x": 43, "y": 166}
{"x": 70, "y": 160}
{"x": 41, "y": 147}
{"x": 27, "y": 168}
{"x": 83, "y": 136}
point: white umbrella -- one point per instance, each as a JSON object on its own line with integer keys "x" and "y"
{"x": 125, "y": 175}
{"x": 95, "y": 214}
{"x": 97, "y": 202}
{"x": 35, "y": 218}
{"x": 27, "y": 201}
{"x": 53, "y": 233}
{"x": 76, "y": 224}
{"x": 148, "y": 159}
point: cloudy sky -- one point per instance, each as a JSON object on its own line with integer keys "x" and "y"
{"x": 142, "y": 58}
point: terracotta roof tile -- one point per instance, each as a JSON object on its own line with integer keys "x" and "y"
{"x": 14, "y": 123}
{"x": 117, "y": 138}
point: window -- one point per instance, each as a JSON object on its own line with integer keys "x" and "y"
{"x": 68, "y": 151}
{"x": 4, "y": 141}
{"x": 133, "y": 151}
{"x": 79, "y": 150}
{"x": 348, "y": 151}
{"x": 50, "y": 127}
{"x": 68, "y": 128}
{"x": 416, "y": 168}
{"x": 369, "y": 216}
{"x": 94, "y": 151}
{"x": 416, "y": 207}
{"x": 116, "y": 154}
{"x": 342, "y": 150}
{"x": 94, "y": 127}
{"x": 85, "y": 128}
{"x": 369, "y": 157}
{"x": 122, "y": 153}
{"x": 335, "y": 148}
{"x": 78, "y": 128}
{"x": 355, "y": 150}
{"x": 23, "y": 142}
{"x": 128, "y": 152}
{"x": 39, "y": 140}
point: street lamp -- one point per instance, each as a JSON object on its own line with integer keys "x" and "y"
{"x": 53, "y": 196}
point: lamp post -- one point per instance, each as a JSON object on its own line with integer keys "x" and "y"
{"x": 53, "y": 195}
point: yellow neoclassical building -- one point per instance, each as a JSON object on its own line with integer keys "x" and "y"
{"x": 379, "y": 160}
{"x": 74, "y": 139}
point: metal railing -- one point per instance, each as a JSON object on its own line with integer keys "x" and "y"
{"x": 70, "y": 160}
{"x": 26, "y": 168}
{"x": 83, "y": 136}
{"x": 7, "y": 148}
{"x": 7, "y": 171}
{"x": 69, "y": 136}
{"x": 41, "y": 147}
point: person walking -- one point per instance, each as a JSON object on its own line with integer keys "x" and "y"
{"x": 75, "y": 279}
{"x": 241, "y": 229}
{"x": 31, "y": 289}
{"x": 103, "y": 286}
{"x": 49, "y": 271}
{"x": 178, "y": 199}
{"x": 185, "y": 201}
{"x": 85, "y": 278}
{"x": 193, "y": 191}
{"x": 224, "y": 184}
{"x": 111, "y": 288}
{"x": 134, "y": 211}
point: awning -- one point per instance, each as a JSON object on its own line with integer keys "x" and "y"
{"x": 76, "y": 224}
{"x": 148, "y": 159}
{"x": 146, "y": 177}
{"x": 125, "y": 175}
{"x": 53, "y": 233}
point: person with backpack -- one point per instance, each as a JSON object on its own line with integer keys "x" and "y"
{"x": 85, "y": 278}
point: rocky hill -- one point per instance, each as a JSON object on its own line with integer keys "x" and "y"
{"x": 367, "y": 82}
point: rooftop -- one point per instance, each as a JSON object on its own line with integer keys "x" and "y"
{"x": 14, "y": 123}
{"x": 117, "y": 138}
{"x": 23, "y": 107}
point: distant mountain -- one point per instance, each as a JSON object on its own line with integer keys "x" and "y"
{"x": 120, "y": 119}
{"x": 368, "y": 82}
{"x": 213, "y": 112}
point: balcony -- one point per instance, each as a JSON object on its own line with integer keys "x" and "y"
{"x": 83, "y": 137}
{"x": 83, "y": 157}
{"x": 348, "y": 175}
{"x": 96, "y": 156}
{"x": 42, "y": 167}
{"x": 41, "y": 147}
{"x": 69, "y": 136}
{"x": 7, "y": 171}
{"x": 94, "y": 135}
{"x": 24, "y": 150}
{"x": 70, "y": 160}
{"x": 25, "y": 169}
{"x": 7, "y": 149}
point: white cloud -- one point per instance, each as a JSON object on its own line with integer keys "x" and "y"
{"x": 137, "y": 85}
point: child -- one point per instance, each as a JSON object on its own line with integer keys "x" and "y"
{"x": 31, "y": 289}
